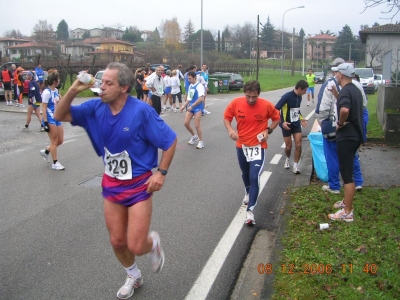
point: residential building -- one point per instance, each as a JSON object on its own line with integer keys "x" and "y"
{"x": 77, "y": 33}
{"x": 7, "y": 42}
{"x": 77, "y": 48}
{"x": 29, "y": 50}
{"x": 319, "y": 47}
{"x": 146, "y": 34}
{"x": 107, "y": 32}
{"x": 379, "y": 41}
{"x": 106, "y": 47}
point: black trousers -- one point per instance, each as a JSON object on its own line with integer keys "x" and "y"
{"x": 156, "y": 103}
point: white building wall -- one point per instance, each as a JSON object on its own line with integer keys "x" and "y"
{"x": 386, "y": 42}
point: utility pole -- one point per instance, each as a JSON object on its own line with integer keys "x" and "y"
{"x": 293, "y": 53}
{"x": 349, "y": 51}
{"x": 258, "y": 44}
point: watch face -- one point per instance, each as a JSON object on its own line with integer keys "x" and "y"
{"x": 164, "y": 172}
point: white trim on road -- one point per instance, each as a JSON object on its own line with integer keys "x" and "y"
{"x": 276, "y": 159}
{"x": 204, "y": 282}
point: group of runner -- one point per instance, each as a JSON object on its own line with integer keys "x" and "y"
{"x": 127, "y": 133}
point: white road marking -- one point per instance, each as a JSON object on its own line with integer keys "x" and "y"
{"x": 276, "y": 159}
{"x": 204, "y": 282}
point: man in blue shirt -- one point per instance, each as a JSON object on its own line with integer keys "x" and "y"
{"x": 127, "y": 133}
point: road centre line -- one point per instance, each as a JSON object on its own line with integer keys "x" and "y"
{"x": 204, "y": 282}
{"x": 275, "y": 159}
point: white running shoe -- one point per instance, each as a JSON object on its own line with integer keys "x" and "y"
{"x": 21, "y": 105}
{"x": 328, "y": 189}
{"x": 131, "y": 283}
{"x": 17, "y": 104}
{"x": 156, "y": 255}
{"x": 246, "y": 199}
{"x": 175, "y": 110}
{"x": 250, "y": 218}
{"x": 287, "y": 165}
{"x": 57, "y": 166}
{"x": 206, "y": 112}
{"x": 193, "y": 139}
{"x": 296, "y": 170}
{"x": 200, "y": 145}
{"x": 44, "y": 155}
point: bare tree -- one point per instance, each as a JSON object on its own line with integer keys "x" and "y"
{"x": 188, "y": 30}
{"x": 14, "y": 34}
{"x": 43, "y": 32}
{"x": 392, "y": 6}
{"x": 376, "y": 51}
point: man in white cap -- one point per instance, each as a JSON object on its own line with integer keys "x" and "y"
{"x": 348, "y": 136}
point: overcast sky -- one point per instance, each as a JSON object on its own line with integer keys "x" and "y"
{"x": 317, "y": 15}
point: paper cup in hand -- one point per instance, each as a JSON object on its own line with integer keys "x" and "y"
{"x": 323, "y": 226}
{"x": 260, "y": 136}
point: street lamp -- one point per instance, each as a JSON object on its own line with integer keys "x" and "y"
{"x": 283, "y": 18}
{"x": 201, "y": 35}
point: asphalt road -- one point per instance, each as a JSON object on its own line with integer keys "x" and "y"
{"x": 53, "y": 240}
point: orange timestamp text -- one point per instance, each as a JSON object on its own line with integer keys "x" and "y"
{"x": 314, "y": 269}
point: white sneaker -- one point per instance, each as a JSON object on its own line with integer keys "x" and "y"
{"x": 57, "y": 166}
{"x": 157, "y": 256}
{"x": 193, "y": 139}
{"x": 308, "y": 103}
{"x": 131, "y": 283}
{"x": 44, "y": 155}
{"x": 328, "y": 189}
{"x": 163, "y": 109}
{"x": 21, "y": 105}
{"x": 200, "y": 145}
{"x": 296, "y": 170}
{"x": 246, "y": 199}
{"x": 359, "y": 188}
{"x": 250, "y": 218}
{"x": 17, "y": 104}
{"x": 175, "y": 110}
{"x": 287, "y": 165}
{"x": 206, "y": 112}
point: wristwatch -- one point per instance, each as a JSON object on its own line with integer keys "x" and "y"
{"x": 270, "y": 130}
{"x": 164, "y": 172}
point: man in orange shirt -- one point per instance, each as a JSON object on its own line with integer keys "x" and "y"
{"x": 252, "y": 115}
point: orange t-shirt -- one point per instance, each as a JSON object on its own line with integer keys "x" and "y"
{"x": 144, "y": 85}
{"x": 251, "y": 119}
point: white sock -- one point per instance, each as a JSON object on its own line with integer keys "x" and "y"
{"x": 155, "y": 243}
{"x": 133, "y": 271}
{"x": 294, "y": 165}
{"x": 287, "y": 158}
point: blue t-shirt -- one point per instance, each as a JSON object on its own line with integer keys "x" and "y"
{"x": 137, "y": 128}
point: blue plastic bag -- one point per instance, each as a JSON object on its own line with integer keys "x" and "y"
{"x": 318, "y": 155}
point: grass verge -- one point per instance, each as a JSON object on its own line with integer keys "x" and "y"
{"x": 358, "y": 260}
{"x": 271, "y": 79}
{"x": 374, "y": 129}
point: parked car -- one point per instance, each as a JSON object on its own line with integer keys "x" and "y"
{"x": 154, "y": 66}
{"x": 8, "y": 64}
{"x": 26, "y": 81}
{"x": 1, "y": 91}
{"x": 236, "y": 82}
{"x": 378, "y": 79}
{"x": 319, "y": 77}
{"x": 98, "y": 78}
{"x": 366, "y": 79}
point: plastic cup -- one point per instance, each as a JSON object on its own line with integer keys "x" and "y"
{"x": 323, "y": 226}
{"x": 260, "y": 136}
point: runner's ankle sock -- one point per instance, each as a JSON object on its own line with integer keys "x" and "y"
{"x": 155, "y": 244}
{"x": 294, "y": 165}
{"x": 54, "y": 161}
{"x": 47, "y": 151}
{"x": 133, "y": 270}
